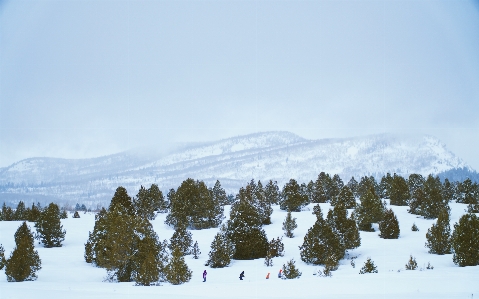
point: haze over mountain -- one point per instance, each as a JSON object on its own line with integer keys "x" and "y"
{"x": 234, "y": 161}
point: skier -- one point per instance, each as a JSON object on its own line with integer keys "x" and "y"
{"x": 267, "y": 276}
{"x": 279, "y": 274}
{"x": 241, "y": 275}
{"x": 204, "y": 276}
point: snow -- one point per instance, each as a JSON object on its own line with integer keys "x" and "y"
{"x": 65, "y": 274}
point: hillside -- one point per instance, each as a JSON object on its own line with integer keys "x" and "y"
{"x": 234, "y": 161}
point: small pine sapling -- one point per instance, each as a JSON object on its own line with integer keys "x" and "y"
{"x": 289, "y": 225}
{"x": 429, "y": 266}
{"x": 368, "y": 267}
{"x": 414, "y": 228}
{"x": 76, "y": 215}
{"x": 411, "y": 264}
{"x": 290, "y": 271}
{"x": 196, "y": 250}
{"x": 268, "y": 260}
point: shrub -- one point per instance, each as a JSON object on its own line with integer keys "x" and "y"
{"x": 290, "y": 271}
{"x": 411, "y": 264}
{"x": 465, "y": 241}
{"x": 368, "y": 267}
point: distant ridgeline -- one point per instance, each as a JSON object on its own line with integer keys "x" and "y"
{"x": 276, "y": 156}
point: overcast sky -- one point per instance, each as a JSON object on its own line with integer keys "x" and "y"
{"x": 88, "y": 78}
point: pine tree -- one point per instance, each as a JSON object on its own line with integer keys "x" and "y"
{"x": 336, "y": 184}
{"x": 268, "y": 260}
{"x": 24, "y": 261}
{"x": 292, "y": 197}
{"x": 399, "y": 191}
{"x": 345, "y": 227}
{"x": 439, "y": 235}
{"x": 182, "y": 239}
{"x": 34, "y": 213}
{"x": 414, "y": 227}
{"x": 49, "y": 228}
{"x": 245, "y": 232}
{"x": 222, "y": 251}
{"x": 320, "y": 194}
{"x": 219, "y": 194}
{"x": 369, "y": 211}
{"x": 158, "y": 200}
{"x": 290, "y": 271}
{"x": 389, "y": 225}
{"x": 345, "y": 198}
{"x": 465, "y": 241}
{"x": 272, "y": 193}
{"x": 149, "y": 261}
{"x": 196, "y": 250}
{"x": 353, "y": 186}
{"x": 144, "y": 204}
{"x": 368, "y": 267}
{"x": 176, "y": 271}
{"x": 428, "y": 200}
{"x": 386, "y": 185}
{"x": 289, "y": 225}
{"x": 276, "y": 247}
{"x": 20, "y": 212}
{"x": 415, "y": 182}
{"x": 321, "y": 243}
{"x": 411, "y": 264}
{"x": 7, "y": 213}
{"x": 2, "y": 257}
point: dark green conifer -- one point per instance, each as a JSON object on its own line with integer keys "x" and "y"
{"x": 353, "y": 186}
{"x": 345, "y": 198}
{"x": 182, "y": 239}
{"x": 465, "y": 241}
{"x": 292, "y": 197}
{"x": 20, "y": 212}
{"x": 219, "y": 194}
{"x": 24, "y": 261}
{"x": 7, "y": 213}
{"x": 321, "y": 243}
{"x": 49, "y": 228}
{"x": 144, "y": 204}
{"x": 399, "y": 191}
{"x": 176, "y": 271}
{"x": 439, "y": 235}
{"x": 415, "y": 182}
{"x": 272, "y": 193}
{"x": 2, "y": 257}
{"x": 411, "y": 264}
{"x": 149, "y": 261}
{"x": 428, "y": 201}
{"x": 222, "y": 251}
{"x": 320, "y": 194}
{"x": 290, "y": 271}
{"x": 345, "y": 227}
{"x": 34, "y": 213}
{"x": 369, "y": 211}
{"x": 389, "y": 225}
{"x": 276, "y": 247}
{"x": 289, "y": 225}
{"x": 368, "y": 267}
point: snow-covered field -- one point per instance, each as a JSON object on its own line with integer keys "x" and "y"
{"x": 65, "y": 274}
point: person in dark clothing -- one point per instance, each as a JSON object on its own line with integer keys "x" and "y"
{"x": 204, "y": 276}
{"x": 241, "y": 275}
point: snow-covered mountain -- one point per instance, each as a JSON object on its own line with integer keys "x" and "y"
{"x": 234, "y": 161}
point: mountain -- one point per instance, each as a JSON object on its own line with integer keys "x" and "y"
{"x": 234, "y": 161}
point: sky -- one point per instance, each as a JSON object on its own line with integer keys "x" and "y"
{"x": 82, "y": 78}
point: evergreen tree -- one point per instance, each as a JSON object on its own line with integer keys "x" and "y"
{"x": 389, "y": 225}
{"x": 369, "y": 211}
{"x": 144, "y": 204}
{"x": 415, "y": 182}
{"x": 149, "y": 261}
{"x": 468, "y": 191}
{"x": 122, "y": 202}
{"x": 7, "y": 213}
{"x": 272, "y": 193}
{"x": 439, "y": 235}
{"x": 289, "y": 225}
{"x": 411, "y": 264}
{"x": 254, "y": 193}
{"x": 399, "y": 191}
{"x": 182, "y": 240}
{"x": 353, "y": 186}
{"x": 192, "y": 205}
{"x": 276, "y": 247}
{"x": 320, "y": 194}
{"x": 366, "y": 184}
{"x": 196, "y": 250}
{"x": 159, "y": 203}
{"x": 219, "y": 194}
{"x": 63, "y": 214}
{"x": 20, "y": 212}
{"x": 448, "y": 190}
{"x": 344, "y": 198}
{"x": 386, "y": 185}
{"x": 222, "y": 251}
{"x": 428, "y": 201}
{"x": 465, "y": 241}
{"x": 368, "y": 267}
{"x": 34, "y": 213}
{"x": 414, "y": 227}
{"x": 2, "y": 257}
{"x": 336, "y": 184}
{"x": 245, "y": 232}
{"x": 176, "y": 271}
{"x": 290, "y": 271}
{"x": 24, "y": 261}
{"x": 345, "y": 227}
{"x": 292, "y": 197}
{"x": 49, "y": 228}
{"x": 321, "y": 243}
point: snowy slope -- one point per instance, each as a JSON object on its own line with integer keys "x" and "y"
{"x": 65, "y": 274}
{"x": 234, "y": 161}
